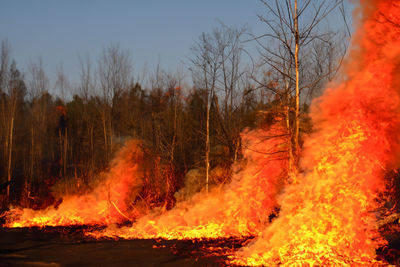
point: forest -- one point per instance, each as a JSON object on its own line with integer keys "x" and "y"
{"x": 68, "y": 132}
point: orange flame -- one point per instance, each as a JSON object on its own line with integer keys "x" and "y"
{"x": 328, "y": 218}
{"x": 104, "y": 205}
{"x": 240, "y": 209}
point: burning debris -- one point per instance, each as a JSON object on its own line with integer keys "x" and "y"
{"x": 326, "y": 216}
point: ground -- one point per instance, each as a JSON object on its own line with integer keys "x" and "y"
{"x": 68, "y": 247}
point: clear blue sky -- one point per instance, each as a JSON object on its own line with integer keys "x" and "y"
{"x": 152, "y": 30}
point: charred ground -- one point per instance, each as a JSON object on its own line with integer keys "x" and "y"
{"x": 68, "y": 246}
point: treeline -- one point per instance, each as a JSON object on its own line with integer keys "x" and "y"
{"x": 74, "y": 133}
{"x": 45, "y": 137}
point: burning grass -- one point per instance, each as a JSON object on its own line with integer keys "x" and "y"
{"x": 327, "y": 216}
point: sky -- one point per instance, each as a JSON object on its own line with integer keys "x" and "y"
{"x": 153, "y": 31}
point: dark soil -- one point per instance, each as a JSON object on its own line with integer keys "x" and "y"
{"x": 67, "y": 246}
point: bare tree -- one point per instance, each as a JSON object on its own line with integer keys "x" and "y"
{"x": 8, "y": 106}
{"x": 206, "y": 64}
{"x": 5, "y": 61}
{"x": 293, "y": 28}
{"x": 38, "y": 83}
{"x": 85, "y": 90}
{"x": 38, "y": 91}
{"x": 114, "y": 72}
{"x": 4, "y": 78}
{"x": 86, "y": 78}
{"x": 229, "y": 85}
{"x": 62, "y": 83}
{"x": 216, "y": 69}
{"x": 12, "y": 91}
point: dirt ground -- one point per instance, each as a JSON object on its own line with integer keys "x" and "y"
{"x": 44, "y": 247}
{"x": 67, "y": 246}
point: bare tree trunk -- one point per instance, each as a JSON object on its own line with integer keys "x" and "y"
{"x": 289, "y": 129}
{"x": 207, "y": 143}
{"x": 114, "y": 74}
{"x": 297, "y": 111}
{"x": 10, "y": 156}
{"x": 283, "y": 21}
{"x": 65, "y": 152}
{"x": 110, "y": 137}
{"x": 60, "y": 142}
{"x": 32, "y": 157}
{"x": 91, "y": 148}
{"x": 172, "y": 155}
{"x": 289, "y": 142}
{"x": 105, "y": 139}
{"x": 207, "y": 62}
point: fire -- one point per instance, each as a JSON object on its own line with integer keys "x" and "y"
{"x": 242, "y": 208}
{"x": 327, "y": 216}
{"x": 106, "y": 204}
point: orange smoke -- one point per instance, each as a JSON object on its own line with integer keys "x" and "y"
{"x": 242, "y": 208}
{"x": 328, "y": 218}
{"x": 106, "y": 204}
